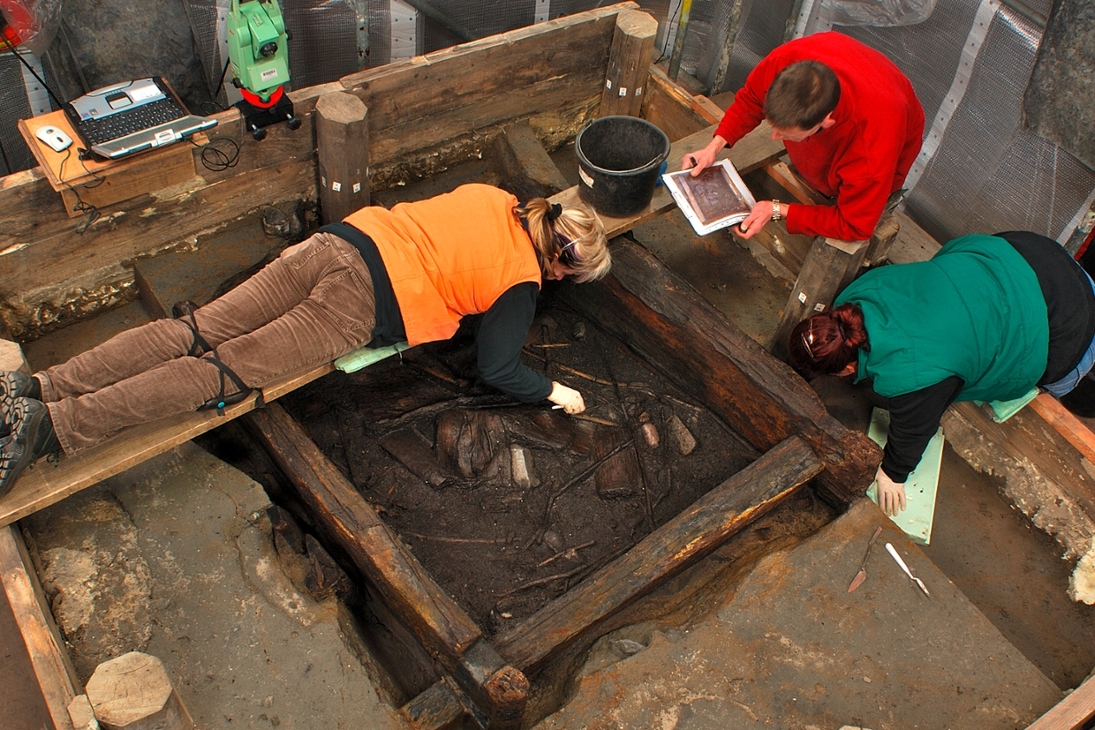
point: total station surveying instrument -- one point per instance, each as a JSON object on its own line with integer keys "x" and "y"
{"x": 258, "y": 51}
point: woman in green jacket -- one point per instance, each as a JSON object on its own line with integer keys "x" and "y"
{"x": 987, "y": 318}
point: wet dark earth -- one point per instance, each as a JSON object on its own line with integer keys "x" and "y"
{"x": 505, "y": 504}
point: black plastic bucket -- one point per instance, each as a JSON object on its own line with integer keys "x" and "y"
{"x": 619, "y": 160}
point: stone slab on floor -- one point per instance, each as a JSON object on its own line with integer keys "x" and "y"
{"x": 174, "y": 558}
{"x": 792, "y": 649}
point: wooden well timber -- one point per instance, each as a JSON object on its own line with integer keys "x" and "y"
{"x": 94, "y": 271}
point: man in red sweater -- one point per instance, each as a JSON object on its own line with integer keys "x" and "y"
{"x": 850, "y": 121}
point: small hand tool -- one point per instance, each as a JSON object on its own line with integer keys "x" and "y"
{"x": 893, "y": 552}
{"x": 862, "y": 574}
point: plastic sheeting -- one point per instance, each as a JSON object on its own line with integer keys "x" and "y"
{"x": 879, "y": 13}
{"x": 35, "y": 21}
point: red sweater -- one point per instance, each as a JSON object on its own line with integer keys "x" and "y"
{"x": 861, "y": 159}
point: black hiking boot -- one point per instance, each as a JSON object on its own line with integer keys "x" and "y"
{"x": 31, "y": 438}
{"x": 17, "y": 384}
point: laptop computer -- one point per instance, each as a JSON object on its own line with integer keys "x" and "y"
{"x": 122, "y": 119}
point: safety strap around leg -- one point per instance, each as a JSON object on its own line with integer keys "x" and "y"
{"x": 221, "y": 400}
{"x": 185, "y": 310}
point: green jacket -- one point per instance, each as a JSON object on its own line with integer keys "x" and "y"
{"x": 974, "y": 310}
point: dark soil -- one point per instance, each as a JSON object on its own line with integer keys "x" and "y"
{"x": 433, "y": 449}
{"x": 503, "y": 547}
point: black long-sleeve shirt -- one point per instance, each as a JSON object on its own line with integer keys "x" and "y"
{"x": 1070, "y": 305}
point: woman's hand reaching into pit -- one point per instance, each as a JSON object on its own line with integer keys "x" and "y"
{"x": 570, "y": 399}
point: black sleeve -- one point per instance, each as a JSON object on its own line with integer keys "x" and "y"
{"x": 914, "y": 419}
{"x": 501, "y": 335}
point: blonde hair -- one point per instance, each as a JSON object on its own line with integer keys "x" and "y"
{"x": 573, "y": 234}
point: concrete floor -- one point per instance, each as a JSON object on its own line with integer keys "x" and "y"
{"x": 789, "y": 648}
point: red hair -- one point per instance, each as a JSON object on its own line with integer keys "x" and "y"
{"x": 827, "y": 343}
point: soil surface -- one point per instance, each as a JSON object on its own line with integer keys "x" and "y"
{"x": 444, "y": 459}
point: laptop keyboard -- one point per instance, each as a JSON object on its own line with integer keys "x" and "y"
{"x": 115, "y": 126}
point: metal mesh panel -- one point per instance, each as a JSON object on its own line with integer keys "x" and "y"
{"x": 761, "y": 28}
{"x": 203, "y": 15}
{"x": 928, "y": 53}
{"x": 324, "y": 40}
{"x": 478, "y": 19}
{"x": 13, "y": 106}
{"x": 988, "y": 174}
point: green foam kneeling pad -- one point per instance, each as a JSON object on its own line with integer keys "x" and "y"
{"x": 921, "y": 486}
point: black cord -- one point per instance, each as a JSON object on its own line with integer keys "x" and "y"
{"x": 91, "y": 213}
{"x": 216, "y": 159}
{"x": 60, "y": 104}
{"x": 668, "y": 22}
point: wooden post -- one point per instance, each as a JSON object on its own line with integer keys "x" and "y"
{"x": 133, "y": 692}
{"x": 628, "y": 63}
{"x": 885, "y": 233}
{"x": 829, "y": 266}
{"x": 342, "y": 141}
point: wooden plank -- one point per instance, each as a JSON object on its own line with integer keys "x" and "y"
{"x": 1071, "y": 713}
{"x": 662, "y": 318}
{"x": 709, "y": 522}
{"x": 50, "y": 660}
{"x": 668, "y": 106}
{"x": 523, "y": 72}
{"x": 521, "y": 154}
{"x": 46, "y": 483}
{"x": 343, "y": 516}
{"x": 752, "y": 151}
{"x": 628, "y": 64}
{"x": 1072, "y": 428}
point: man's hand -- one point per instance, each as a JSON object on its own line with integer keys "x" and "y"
{"x": 568, "y": 398}
{"x": 758, "y": 216}
{"x": 699, "y": 160}
{"x": 891, "y": 495}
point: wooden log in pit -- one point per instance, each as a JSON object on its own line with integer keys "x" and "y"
{"x": 344, "y": 518}
{"x": 709, "y": 522}
{"x": 662, "y": 318}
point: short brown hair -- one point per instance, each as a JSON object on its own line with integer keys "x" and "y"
{"x": 802, "y": 95}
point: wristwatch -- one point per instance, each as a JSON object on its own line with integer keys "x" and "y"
{"x": 777, "y": 212}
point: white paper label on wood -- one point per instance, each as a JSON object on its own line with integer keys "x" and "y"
{"x": 336, "y": 186}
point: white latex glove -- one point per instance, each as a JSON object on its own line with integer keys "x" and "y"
{"x": 891, "y": 495}
{"x": 568, "y": 398}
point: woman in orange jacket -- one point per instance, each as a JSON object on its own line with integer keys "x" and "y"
{"x": 381, "y": 276}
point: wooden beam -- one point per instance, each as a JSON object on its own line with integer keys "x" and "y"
{"x": 1071, "y": 713}
{"x": 628, "y": 64}
{"x": 698, "y": 530}
{"x": 344, "y": 517}
{"x": 752, "y": 151}
{"x": 52, "y": 667}
{"x": 342, "y": 152}
{"x": 662, "y": 318}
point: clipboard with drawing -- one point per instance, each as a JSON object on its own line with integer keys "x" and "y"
{"x": 716, "y": 198}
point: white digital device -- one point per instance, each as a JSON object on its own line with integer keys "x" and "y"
{"x": 57, "y": 140}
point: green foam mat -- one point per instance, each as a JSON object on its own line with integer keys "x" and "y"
{"x": 921, "y": 486}
{"x": 366, "y": 356}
